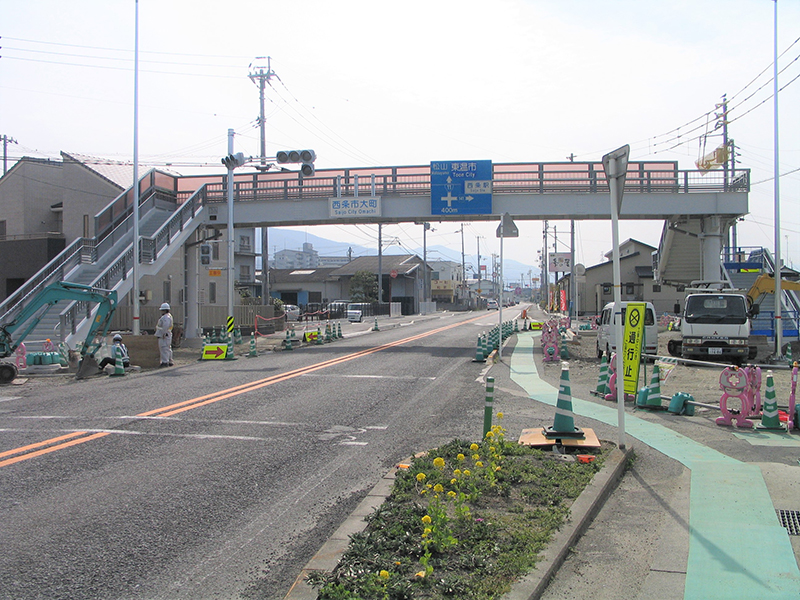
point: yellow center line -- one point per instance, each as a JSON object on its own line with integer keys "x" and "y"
{"x": 59, "y": 443}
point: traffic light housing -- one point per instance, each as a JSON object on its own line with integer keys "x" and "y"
{"x": 233, "y": 160}
{"x": 306, "y": 157}
{"x": 205, "y": 254}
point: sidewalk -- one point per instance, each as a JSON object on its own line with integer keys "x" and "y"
{"x": 737, "y": 548}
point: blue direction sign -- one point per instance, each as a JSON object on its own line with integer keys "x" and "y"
{"x": 461, "y": 187}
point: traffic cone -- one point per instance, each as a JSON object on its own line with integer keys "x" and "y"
{"x": 238, "y": 336}
{"x": 769, "y": 409}
{"x": 319, "y": 340}
{"x": 654, "y": 389}
{"x": 253, "y": 352}
{"x": 119, "y": 367}
{"x": 375, "y": 328}
{"x": 516, "y": 326}
{"x": 328, "y": 332}
{"x": 339, "y": 328}
{"x": 789, "y": 358}
{"x": 479, "y": 357}
{"x": 294, "y": 333}
{"x": 602, "y": 381}
{"x": 564, "y": 421}
{"x": 287, "y": 344}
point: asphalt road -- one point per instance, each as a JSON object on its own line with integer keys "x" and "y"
{"x": 178, "y": 484}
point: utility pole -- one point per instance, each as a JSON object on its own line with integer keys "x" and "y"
{"x": 463, "y": 265}
{"x": 545, "y": 268}
{"x": 380, "y": 262}
{"x": 261, "y": 77}
{"x": 6, "y": 141}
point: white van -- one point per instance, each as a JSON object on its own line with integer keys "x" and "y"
{"x": 606, "y": 336}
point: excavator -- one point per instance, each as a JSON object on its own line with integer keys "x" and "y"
{"x": 14, "y": 332}
{"x": 765, "y": 284}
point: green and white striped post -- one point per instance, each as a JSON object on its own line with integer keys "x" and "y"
{"x": 488, "y": 407}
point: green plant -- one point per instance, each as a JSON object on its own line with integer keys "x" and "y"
{"x": 464, "y": 521}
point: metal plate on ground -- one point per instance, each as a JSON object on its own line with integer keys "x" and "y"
{"x": 790, "y": 519}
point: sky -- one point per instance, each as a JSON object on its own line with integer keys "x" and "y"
{"x": 368, "y": 83}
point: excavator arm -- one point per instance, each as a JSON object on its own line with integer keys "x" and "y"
{"x": 765, "y": 284}
{"x": 13, "y": 333}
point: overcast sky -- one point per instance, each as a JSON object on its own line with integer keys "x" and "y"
{"x": 368, "y": 83}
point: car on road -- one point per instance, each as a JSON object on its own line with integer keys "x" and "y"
{"x": 492, "y": 305}
{"x": 356, "y": 311}
{"x": 292, "y": 312}
{"x": 606, "y": 331}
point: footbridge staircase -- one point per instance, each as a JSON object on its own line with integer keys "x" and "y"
{"x": 167, "y": 218}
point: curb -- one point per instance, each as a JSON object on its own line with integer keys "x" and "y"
{"x": 582, "y": 513}
{"x": 529, "y": 587}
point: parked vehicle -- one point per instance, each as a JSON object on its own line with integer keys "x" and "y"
{"x": 606, "y": 331}
{"x": 292, "y": 312}
{"x": 492, "y": 305}
{"x": 356, "y": 311}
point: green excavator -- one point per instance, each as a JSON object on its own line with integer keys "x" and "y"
{"x": 15, "y": 331}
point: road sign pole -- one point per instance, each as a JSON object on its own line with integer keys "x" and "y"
{"x": 615, "y": 165}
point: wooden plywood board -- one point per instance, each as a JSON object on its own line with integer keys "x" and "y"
{"x": 536, "y": 437}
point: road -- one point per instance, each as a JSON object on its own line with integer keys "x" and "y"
{"x": 220, "y": 479}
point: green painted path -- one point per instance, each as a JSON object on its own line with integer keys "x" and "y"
{"x": 737, "y": 547}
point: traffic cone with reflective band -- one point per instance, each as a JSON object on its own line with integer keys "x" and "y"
{"x": 769, "y": 410}
{"x": 788, "y": 357}
{"x": 320, "y": 340}
{"x": 328, "y": 332}
{"x": 479, "y": 352}
{"x": 253, "y": 352}
{"x": 119, "y": 366}
{"x": 287, "y": 343}
{"x": 516, "y": 326}
{"x": 237, "y": 333}
{"x": 602, "y": 381}
{"x": 564, "y": 421}
{"x": 375, "y": 327}
{"x": 654, "y": 389}
{"x": 339, "y": 328}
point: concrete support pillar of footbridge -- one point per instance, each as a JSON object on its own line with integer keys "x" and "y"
{"x": 711, "y": 242}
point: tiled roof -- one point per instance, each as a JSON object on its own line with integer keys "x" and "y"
{"x": 300, "y": 275}
{"x": 404, "y": 264}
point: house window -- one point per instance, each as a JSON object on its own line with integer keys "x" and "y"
{"x": 167, "y": 292}
{"x": 606, "y": 289}
{"x": 244, "y": 243}
{"x": 629, "y": 289}
{"x": 215, "y": 251}
{"x": 656, "y": 288}
{"x": 2, "y": 228}
{"x": 244, "y": 273}
{"x": 212, "y": 292}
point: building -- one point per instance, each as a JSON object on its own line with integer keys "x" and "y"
{"x": 307, "y": 258}
{"x": 596, "y": 288}
{"x": 447, "y": 282}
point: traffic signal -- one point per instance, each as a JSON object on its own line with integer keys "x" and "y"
{"x": 233, "y": 160}
{"x": 306, "y": 157}
{"x": 205, "y": 254}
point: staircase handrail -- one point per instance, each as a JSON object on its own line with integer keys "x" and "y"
{"x": 70, "y": 317}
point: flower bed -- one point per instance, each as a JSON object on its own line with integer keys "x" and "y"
{"x": 463, "y": 521}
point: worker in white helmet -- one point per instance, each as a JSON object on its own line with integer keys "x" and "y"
{"x": 164, "y": 335}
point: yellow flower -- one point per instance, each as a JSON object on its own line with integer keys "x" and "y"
{"x": 438, "y": 488}
{"x": 420, "y": 574}
{"x": 489, "y": 435}
{"x": 384, "y": 574}
{"x": 438, "y": 462}
{"x": 474, "y": 447}
{"x": 453, "y": 481}
{"x": 467, "y": 473}
{"x": 492, "y": 449}
{"x": 451, "y": 493}
{"x": 457, "y": 472}
{"x": 460, "y": 457}
{"x": 421, "y": 477}
{"x": 479, "y": 464}
{"x": 426, "y": 519}
{"x": 500, "y": 416}
{"x": 476, "y": 457}
{"x": 427, "y": 531}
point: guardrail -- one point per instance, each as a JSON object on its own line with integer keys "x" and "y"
{"x": 528, "y": 178}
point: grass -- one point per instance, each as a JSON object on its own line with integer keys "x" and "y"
{"x": 464, "y": 521}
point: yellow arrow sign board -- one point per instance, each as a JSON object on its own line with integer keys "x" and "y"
{"x": 215, "y": 351}
{"x": 632, "y": 345}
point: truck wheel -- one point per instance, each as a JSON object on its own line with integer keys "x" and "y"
{"x": 674, "y": 348}
{"x": 8, "y": 372}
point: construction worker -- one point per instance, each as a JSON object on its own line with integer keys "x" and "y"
{"x": 117, "y": 348}
{"x": 164, "y": 335}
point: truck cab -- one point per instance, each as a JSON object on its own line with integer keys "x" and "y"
{"x": 716, "y": 325}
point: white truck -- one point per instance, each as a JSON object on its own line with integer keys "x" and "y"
{"x": 715, "y": 325}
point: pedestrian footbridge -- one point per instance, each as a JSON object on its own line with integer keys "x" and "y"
{"x": 173, "y": 207}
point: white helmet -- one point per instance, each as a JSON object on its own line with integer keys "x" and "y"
{"x": 164, "y": 306}
{"x": 117, "y": 337}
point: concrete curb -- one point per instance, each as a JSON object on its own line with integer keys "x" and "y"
{"x": 530, "y": 587}
{"x": 582, "y": 513}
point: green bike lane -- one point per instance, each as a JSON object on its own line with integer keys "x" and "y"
{"x": 735, "y": 551}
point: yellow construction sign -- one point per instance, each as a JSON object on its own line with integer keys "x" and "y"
{"x": 215, "y": 351}
{"x": 632, "y": 345}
